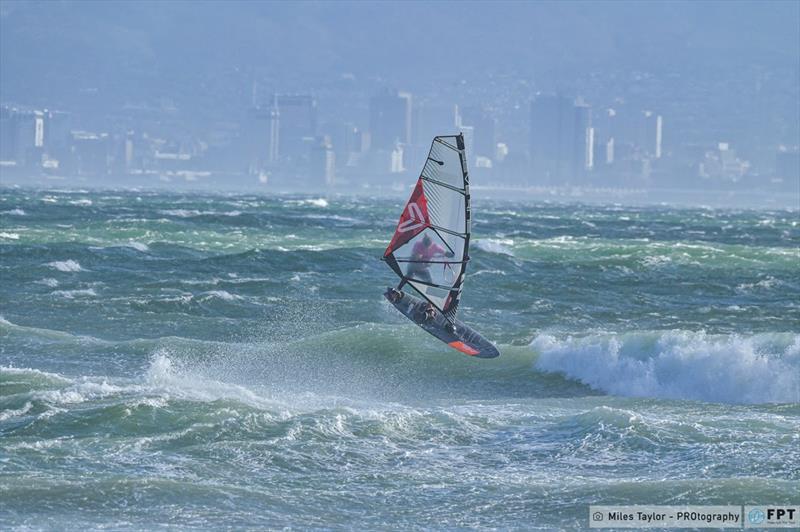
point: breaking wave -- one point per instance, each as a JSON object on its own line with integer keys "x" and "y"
{"x": 66, "y": 265}
{"x": 762, "y": 368}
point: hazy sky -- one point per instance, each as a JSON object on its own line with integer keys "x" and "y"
{"x": 51, "y": 50}
{"x": 726, "y": 71}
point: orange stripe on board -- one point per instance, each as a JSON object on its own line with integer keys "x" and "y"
{"x": 464, "y": 348}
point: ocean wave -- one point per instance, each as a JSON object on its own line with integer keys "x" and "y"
{"x": 334, "y": 217}
{"x": 499, "y": 246}
{"x": 138, "y": 246}
{"x": 12, "y": 413}
{"x": 189, "y": 382}
{"x": 220, "y": 294}
{"x": 72, "y": 294}
{"x": 46, "y": 335}
{"x": 488, "y": 272}
{"x": 763, "y": 368}
{"x": 15, "y": 212}
{"x": 344, "y": 364}
{"x": 314, "y": 202}
{"x": 766, "y": 284}
{"x": 10, "y": 236}
{"x": 66, "y": 266}
{"x": 190, "y": 213}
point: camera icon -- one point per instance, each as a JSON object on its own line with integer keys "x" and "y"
{"x": 597, "y": 516}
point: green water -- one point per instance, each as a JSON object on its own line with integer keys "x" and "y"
{"x": 222, "y": 361}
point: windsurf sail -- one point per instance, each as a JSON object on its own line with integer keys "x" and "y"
{"x": 430, "y": 246}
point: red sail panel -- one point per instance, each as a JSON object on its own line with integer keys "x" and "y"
{"x": 413, "y": 220}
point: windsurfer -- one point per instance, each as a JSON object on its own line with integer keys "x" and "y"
{"x": 423, "y": 252}
{"x": 419, "y": 269}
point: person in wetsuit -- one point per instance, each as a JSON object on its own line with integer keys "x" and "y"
{"x": 423, "y": 251}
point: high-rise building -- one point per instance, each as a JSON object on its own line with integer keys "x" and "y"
{"x": 293, "y": 126}
{"x": 57, "y": 134}
{"x": 22, "y": 134}
{"x": 561, "y": 139}
{"x": 91, "y": 153}
{"x": 390, "y": 120}
{"x": 323, "y": 163}
{"x": 257, "y": 139}
{"x": 274, "y": 134}
{"x": 650, "y": 134}
{"x": 582, "y": 141}
{"x": 430, "y": 118}
{"x": 348, "y": 142}
{"x": 484, "y": 125}
{"x": 9, "y": 134}
{"x": 548, "y": 124}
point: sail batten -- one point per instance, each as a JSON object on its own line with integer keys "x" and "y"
{"x": 430, "y": 247}
{"x": 431, "y": 180}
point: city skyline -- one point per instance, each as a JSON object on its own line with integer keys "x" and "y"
{"x": 631, "y": 124}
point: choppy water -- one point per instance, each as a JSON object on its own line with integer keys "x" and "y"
{"x": 228, "y": 361}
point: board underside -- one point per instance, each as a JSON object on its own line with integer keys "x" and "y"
{"x": 465, "y": 339}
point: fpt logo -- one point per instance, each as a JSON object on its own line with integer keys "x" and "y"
{"x": 780, "y": 514}
{"x": 756, "y": 516}
{"x": 765, "y": 516}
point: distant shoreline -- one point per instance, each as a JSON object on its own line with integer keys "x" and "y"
{"x": 747, "y": 198}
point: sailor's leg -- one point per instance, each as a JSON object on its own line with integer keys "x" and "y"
{"x": 424, "y": 275}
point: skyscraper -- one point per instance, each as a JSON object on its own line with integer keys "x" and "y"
{"x": 9, "y": 134}
{"x": 293, "y": 126}
{"x": 582, "y": 141}
{"x": 390, "y": 119}
{"x": 484, "y": 125}
{"x": 323, "y": 163}
{"x": 650, "y": 134}
{"x": 561, "y": 139}
{"x": 257, "y": 139}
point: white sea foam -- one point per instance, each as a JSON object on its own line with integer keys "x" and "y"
{"x": 8, "y": 414}
{"x": 766, "y": 284}
{"x": 10, "y": 370}
{"x": 10, "y": 236}
{"x": 81, "y": 202}
{"x": 496, "y": 245}
{"x": 82, "y": 391}
{"x": 334, "y": 217}
{"x": 138, "y": 246}
{"x": 72, "y": 294}
{"x": 185, "y": 382}
{"x": 188, "y": 213}
{"x": 221, "y": 294}
{"x": 653, "y": 261}
{"x": 180, "y": 213}
{"x": 15, "y": 212}
{"x": 488, "y": 272}
{"x": 57, "y": 390}
{"x": 763, "y": 368}
{"x": 48, "y": 281}
{"x": 66, "y": 265}
{"x": 314, "y": 202}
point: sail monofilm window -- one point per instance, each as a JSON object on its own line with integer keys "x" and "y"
{"x": 429, "y": 249}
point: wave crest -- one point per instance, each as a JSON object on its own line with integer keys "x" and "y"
{"x": 763, "y": 368}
